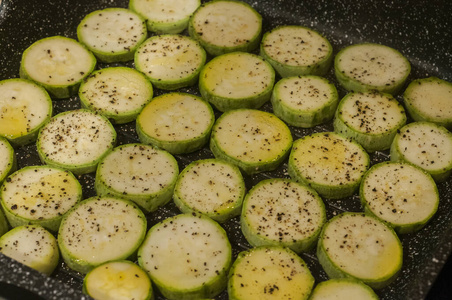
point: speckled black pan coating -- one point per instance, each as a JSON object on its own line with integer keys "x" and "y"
{"x": 419, "y": 29}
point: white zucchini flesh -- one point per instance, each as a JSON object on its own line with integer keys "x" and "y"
{"x": 176, "y": 122}
{"x": 226, "y": 26}
{"x": 24, "y": 108}
{"x": 366, "y": 67}
{"x": 269, "y": 272}
{"x": 362, "y": 247}
{"x": 304, "y": 101}
{"x": 76, "y": 140}
{"x": 210, "y": 186}
{"x": 254, "y": 140}
{"x": 165, "y": 16}
{"x": 342, "y": 289}
{"x": 297, "y": 50}
{"x": 403, "y": 195}
{"x": 170, "y": 61}
{"x": 58, "y": 63}
{"x": 118, "y": 280}
{"x": 330, "y": 163}
{"x": 372, "y": 119}
{"x": 237, "y": 80}
{"x": 282, "y": 212}
{"x": 118, "y": 93}
{"x": 39, "y": 195}
{"x": 8, "y": 163}
{"x": 187, "y": 256}
{"x": 32, "y": 246}
{"x": 426, "y": 145}
{"x": 140, "y": 173}
{"x": 438, "y": 108}
{"x": 112, "y": 34}
{"x": 100, "y": 229}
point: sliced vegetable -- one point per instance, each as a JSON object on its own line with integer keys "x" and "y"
{"x": 57, "y": 63}
{"x": 223, "y": 26}
{"x": 187, "y": 256}
{"x": 24, "y": 108}
{"x": 8, "y": 162}
{"x": 3, "y": 224}
{"x": 254, "y": 140}
{"x": 342, "y": 289}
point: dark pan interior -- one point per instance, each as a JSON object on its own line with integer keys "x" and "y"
{"x": 421, "y": 30}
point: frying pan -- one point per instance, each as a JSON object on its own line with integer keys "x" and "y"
{"x": 421, "y": 30}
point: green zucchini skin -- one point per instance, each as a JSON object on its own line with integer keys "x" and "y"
{"x": 3, "y": 224}
{"x": 10, "y": 164}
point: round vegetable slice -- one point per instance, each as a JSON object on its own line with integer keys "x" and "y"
{"x": 426, "y": 145}
{"x": 176, "y": 122}
{"x": 224, "y": 26}
{"x": 360, "y": 246}
{"x": 403, "y": 195}
{"x": 282, "y": 212}
{"x": 269, "y": 272}
{"x": 8, "y": 162}
{"x": 140, "y": 173}
{"x": 32, "y": 246}
{"x": 165, "y": 16}
{"x": 100, "y": 229}
{"x": 372, "y": 119}
{"x": 76, "y": 140}
{"x": 304, "y": 101}
{"x": 112, "y": 34}
{"x": 117, "y": 93}
{"x": 367, "y": 67}
{"x": 24, "y": 108}
{"x": 117, "y": 280}
{"x": 430, "y": 99}
{"x": 342, "y": 289}
{"x": 330, "y": 163}
{"x": 296, "y": 50}
{"x": 57, "y": 63}
{"x": 39, "y": 195}
{"x": 211, "y": 186}
{"x": 236, "y": 80}
{"x": 170, "y": 61}
{"x": 187, "y": 256}
{"x": 254, "y": 140}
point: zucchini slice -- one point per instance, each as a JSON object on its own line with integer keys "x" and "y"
{"x": 76, "y": 140}
{"x": 187, "y": 256}
{"x": 269, "y": 272}
{"x": 24, "y": 108}
{"x": 32, "y": 246}
{"x": 223, "y": 26}
{"x": 170, "y": 61}
{"x": 343, "y": 289}
{"x": 426, "y": 145}
{"x": 139, "y": 173}
{"x": 296, "y": 50}
{"x": 165, "y": 16}
{"x": 8, "y": 162}
{"x": 112, "y": 34}
{"x": 118, "y": 93}
{"x": 328, "y": 162}
{"x": 39, "y": 195}
{"x": 304, "y": 101}
{"x": 368, "y": 67}
{"x": 372, "y": 119}
{"x": 254, "y": 140}
{"x": 100, "y": 229}
{"x": 211, "y": 186}
{"x": 430, "y": 99}
{"x": 360, "y": 246}
{"x": 120, "y": 279}
{"x": 403, "y": 195}
{"x": 57, "y": 63}
{"x": 176, "y": 122}
{"x": 236, "y": 80}
{"x": 3, "y": 224}
{"x": 282, "y": 212}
